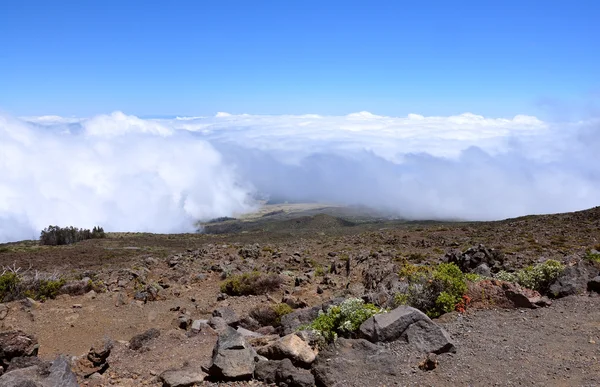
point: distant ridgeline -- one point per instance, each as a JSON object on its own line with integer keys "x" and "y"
{"x": 54, "y": 235}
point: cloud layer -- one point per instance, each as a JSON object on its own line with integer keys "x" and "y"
{"x": 161, "y": 175}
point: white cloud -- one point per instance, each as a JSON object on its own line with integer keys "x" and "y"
{"x": 127, "y": 173}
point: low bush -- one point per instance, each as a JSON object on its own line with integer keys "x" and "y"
{"x": 254, "y": 283}
{"x": 343, "y": 319}
{"x": 55, "y": 235}
{"x": 433, "y": 290}
{"x": 592, "y": 255}
{"x": 538, "y": 277}
{"x": 15, "y": 286}
{"x": 270, "y": 314}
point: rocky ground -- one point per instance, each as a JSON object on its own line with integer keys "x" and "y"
{"x": 167, "y": 288}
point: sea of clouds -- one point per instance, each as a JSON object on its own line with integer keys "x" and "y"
{"x": 162, "y": 175}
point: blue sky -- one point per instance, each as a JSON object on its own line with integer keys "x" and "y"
{"x": 154, "y": 58}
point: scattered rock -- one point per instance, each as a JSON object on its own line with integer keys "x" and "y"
{"x": 289, "y": 347}
{"x": 56, "y": 374}
{"x": 429, "y": 363}
{"x": 332, "y": 365}
{"x": 228, "y": 314}
{"x": 300, "y": 317}
{"x": 16, "y": 344}
{"x": 573, "y": 280}
{"x": 138, "y": 341}
{"x": 218, "y": 324}
{"x": 474, "y": 257}
{"x": 185, "y": 377}
{"x": 429, "y": 337}
{"x": 594, "y": 284}
{"x": 390, "y": 326}
{"x": 233, "y": 358}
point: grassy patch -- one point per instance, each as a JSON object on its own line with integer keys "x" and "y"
{"x": 343, "y": 319}
{"x": 254, "y": 283}
{"x": 538, "y": 277}
{"x": 433, "y": 290}
{"x": 594, "y": 257}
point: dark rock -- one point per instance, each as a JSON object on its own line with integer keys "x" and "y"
{"x": 218, "y": 324}
{"x": 573, "y": 280}
{"x": 55, "y": 374}
{"x": 390, "y": 326}
{"x": 233, "y": 358}
{"x": 474, "y": 257}
{"x": 16, "y": 344}
{"x": 429, "y": 363}
{"x": 288, "y": 375}
{"x": 483, "y": 270}
{"x": 227, "y": 314}
{"x": 138, "y": 341}
{"x": 429, "y": 337}
{"x": 594, "y": 285}
{"x": 293, "y": 320}
{"x": 249, "y": 323}
{"x": 332, "y": 365}
{"x": 266, "y": 371}
{"x": 24, "y": 362}
{"x": 184, "y": 321}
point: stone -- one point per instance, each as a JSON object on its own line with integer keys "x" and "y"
{"x": 483, "y": 270}
{"x": 390, "y": 326}
{"x": 288, "y": 375}
{"x": 218, "y": 324}
{"x": 429, "y": 363}
{"x": 266, "y": 371}
{"x": 283, "y": 373}
{"x": 233, "y": 357}
{"x": 331, "y": 366}
{"x": 289, "y": 347}
{"x": 185, "y": 377}
{"x": 184, "y": 321}
{"x": 227, "y": 314}
{"x": 594, "y": 284}
{"x": 198, "y": 325}
{"x": 247, "y": 333}
{"x": 573, "y": 280}
{"x": 138, "y": 341}
{"x": 429, "y": 337}
{"x": 16, "y": 344}
{"x": 56, "y": 374}
{"x": 291, "y": 321}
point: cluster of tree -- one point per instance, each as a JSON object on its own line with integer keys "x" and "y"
{"x": 54, "y": 235}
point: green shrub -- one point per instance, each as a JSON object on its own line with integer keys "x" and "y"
{"x": 434, "y": 291}
{"x": 538, "y": 277}
{"x": 270, "y": 314}
{"x": 254, "y": 283}
{"x": 343, "y": 319}
{"x": 594, "y": 257}
{"x": 48, "y": 289}
{"x": 9, "y": 284}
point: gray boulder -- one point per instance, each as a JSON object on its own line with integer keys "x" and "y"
{"x": 429, "y": 337}
{"x": 227, "y": 314}
{"x": 411, "y": 325}
{"x": 185, "y": 377}
{"x": 332, "y": 365}
{"x": 573, "y": 280}
{"x": 138, "y": 341}
{"x": 290, "y": 322}
{"x": 283, "y": 373}
{"x": 390, "y": 326}
{"x": 233, "y": 358}
{"x": 16, "y": 344}
{"x": 58, "y": 374}
{"x": 594, "y": 284}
